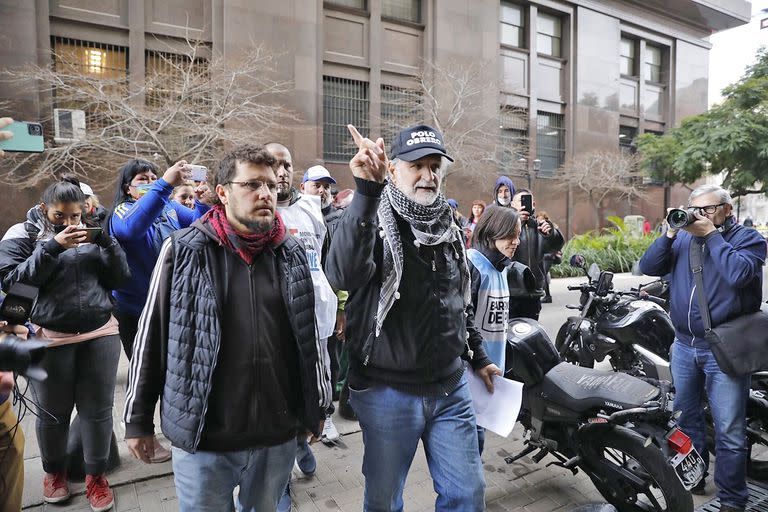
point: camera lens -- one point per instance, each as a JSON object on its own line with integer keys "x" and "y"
{"x": 35, "y": 129}
{"x": 677, "y": 218}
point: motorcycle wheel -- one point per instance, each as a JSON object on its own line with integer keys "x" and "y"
{"x": 572, "y": 355}
{"x": 662, "y": 491}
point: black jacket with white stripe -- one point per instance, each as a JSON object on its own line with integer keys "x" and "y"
{"x": 231, "y": 349}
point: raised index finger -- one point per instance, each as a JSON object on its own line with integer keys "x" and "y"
{"x": 356, "y": 136}
{"x": 5, "y": 121}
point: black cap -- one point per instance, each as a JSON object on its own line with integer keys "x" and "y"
{"x": 417, "y": 142}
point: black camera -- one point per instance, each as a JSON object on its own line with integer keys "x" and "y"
{"x": 22, "y": 357}
{"x": 678, "y": 218}
{"x": 18, "y": 303}
{"x": 17, "y": 355}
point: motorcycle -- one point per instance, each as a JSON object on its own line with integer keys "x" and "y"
{"x": 635, "y": 330}
{"x": 618, "y": 429}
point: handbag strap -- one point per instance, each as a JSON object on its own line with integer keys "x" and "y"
{"x": 695, "y": 252}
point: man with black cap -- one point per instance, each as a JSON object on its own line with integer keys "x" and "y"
{"x": 409, "y": 322}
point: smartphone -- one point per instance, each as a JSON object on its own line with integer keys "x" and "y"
{"x": 91, "y": 234}
{"x": 27, "y": 138}
{"x": 526, "y": 203}
{"x": 199, "y": 173}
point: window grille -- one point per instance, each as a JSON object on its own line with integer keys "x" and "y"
{"x": 167, "y": 74}
{"x": 79, "y": 61}
{"x": 400, "y": 108}
{"x": 550, "y": 142}
{"x": 345, "y": 102}
{"x": 513, "y": 138}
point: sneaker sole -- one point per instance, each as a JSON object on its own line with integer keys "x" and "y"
{"x": 298, "y": 468}
{"x": 56, "y": 500}
{"x": 105, "y": 507}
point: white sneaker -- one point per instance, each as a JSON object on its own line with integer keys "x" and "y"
{"x": 329, "y": 430}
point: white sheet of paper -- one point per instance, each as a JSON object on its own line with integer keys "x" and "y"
{"x": 496, "y": 411}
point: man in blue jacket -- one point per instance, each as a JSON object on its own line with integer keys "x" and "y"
{"x": 733, "y": 258}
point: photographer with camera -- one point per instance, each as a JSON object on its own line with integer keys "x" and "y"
{"x": 75, "y": 269}
{"x": 730, "y": 276}
{"x": 538, "y": 238}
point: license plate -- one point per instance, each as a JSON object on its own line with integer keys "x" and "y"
{"x": 689, "y": 468}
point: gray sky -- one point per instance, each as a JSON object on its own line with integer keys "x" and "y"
{"x": 733, "y": 50}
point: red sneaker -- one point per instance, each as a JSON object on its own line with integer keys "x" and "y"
{"x": 55, "y": 488}
{"x": 98, "y": 493}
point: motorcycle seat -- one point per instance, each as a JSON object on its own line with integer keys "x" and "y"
{"x": 582, "y": 389}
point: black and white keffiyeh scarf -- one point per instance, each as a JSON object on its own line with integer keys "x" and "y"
{"x": 431, "y": 225}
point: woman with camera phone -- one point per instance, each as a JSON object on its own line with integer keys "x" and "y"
{"x": 75, "y": 269}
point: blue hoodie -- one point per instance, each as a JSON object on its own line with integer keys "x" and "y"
{"x": 141, "y": 227}
{"x": 733, "y": 277}
{"x": 503, "y": 180}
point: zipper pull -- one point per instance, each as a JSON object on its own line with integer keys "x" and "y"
{"x": 434, "y": 268}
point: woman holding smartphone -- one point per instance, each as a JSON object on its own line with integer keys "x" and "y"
{"x": 75, "y": 270}
{"x": 142, "y": 218}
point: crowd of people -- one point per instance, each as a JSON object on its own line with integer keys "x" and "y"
{"x": 247, "y": 307}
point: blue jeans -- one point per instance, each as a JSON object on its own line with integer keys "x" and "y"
{"x": 205, "y": 480}
{"x": 393, "y": 422}
{"x": 694, "y": 371}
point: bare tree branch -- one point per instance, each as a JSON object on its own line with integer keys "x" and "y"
{"x": 601, "y": 174}
{"x": 193, "y": 108}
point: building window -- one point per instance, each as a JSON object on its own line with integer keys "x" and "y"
{"x": 549, "y": 35}
{"x": 513, "y": 125}
{"x": 408, "y": 10}
{"x": 80, "y": 61}
{"x": 344, "y": 102}
{"x": 512, "y": 25}
{"x": 166, "y": 74}
{"x": 550, "y": 142}
{"x": 652, "y": 63}
{"x": 628, "y": 57}
{"x": 627, "y": 136}
{"x": 400, "y": 108}
{"x": 95, "y": 59}
{"x": 355, "y": 4}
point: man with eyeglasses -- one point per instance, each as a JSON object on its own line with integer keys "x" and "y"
{"x": 228, "y": 341}
{"x": 732, "y": 269}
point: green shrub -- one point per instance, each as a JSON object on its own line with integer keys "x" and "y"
{"x": 614, "y": 249}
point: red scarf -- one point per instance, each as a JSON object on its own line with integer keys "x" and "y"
{"x": 247, "y": 246}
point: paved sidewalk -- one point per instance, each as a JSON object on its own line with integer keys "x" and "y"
{"x": 338, "y": 483}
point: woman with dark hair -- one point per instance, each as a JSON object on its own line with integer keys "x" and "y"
{"x": 494, "y": 242}
{"x": 143, "y": 216}
{"x": 478, "y": 207}
{"x": 75, "y": 271}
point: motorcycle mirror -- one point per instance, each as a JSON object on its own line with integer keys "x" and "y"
{"x": 593, "y": 272}
{"x": 578, "y": 261}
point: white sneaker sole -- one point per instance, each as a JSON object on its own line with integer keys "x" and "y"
{"x": 102, "y": 509}
{"x": 57, "y": 500}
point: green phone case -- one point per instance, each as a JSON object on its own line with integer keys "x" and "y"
{"x": 27, "y": 138}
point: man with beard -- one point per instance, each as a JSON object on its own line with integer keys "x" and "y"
{"x": 303, "y": 219}
{"x": 410, "y": 323}
{"x": 228, "y": 341}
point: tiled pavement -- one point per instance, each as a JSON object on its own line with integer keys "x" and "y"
{"x": 338, "y": 483}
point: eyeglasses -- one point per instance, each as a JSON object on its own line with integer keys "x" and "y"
{"x": 709, "y": 209}
{"x": 255, "y": 185}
